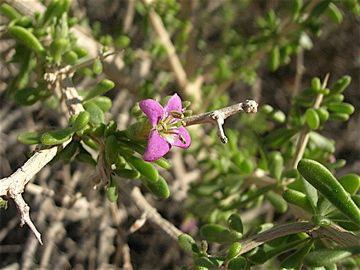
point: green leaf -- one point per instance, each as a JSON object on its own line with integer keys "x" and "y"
{"x": 325, "y": 257}
{"x": 323, "y": 113}
{"x": 29, "y": 137}
{"x": 275, "y": 164}
{"x": 322, "y": 179}
{"x": 27, "y": 96}
{"x": 334, "y": 13}
{"x": 27, "y": 38}
{"x": 112, "y": 192}
{"x": 122, "y": 42}
{"x": 159, "y": 188}
{"x": 57, "y": 48}
{"x": 343, "y": 117}
{"x": 188, "y": 243}
{"x": 90, "y": 142}
{"x": 57, "y": 136}
{"x": 279, "y": 136}
{"x": 69, "y": 151}
{"x": 50, "y": 12}
{"x": 298, "y": 198}
{"x": 9, "y": 12}
{"x": 216, "y": 233}
{"x": 97, "y": 116}
{"x": 100, "y": 88}
{"x": 127, "y": 173}
{"x": 294, "y": 261}
{"x": 145, "y": 168}
{"x": 277, "y": 201}
{"x": 312, "y": 118}
{"x": 234, "y": 250}
{"x": 319, "y": 9}
{"x": 104, "y": 103}
{"x": 235, "y": 223}
{"x": 97, "y": 67}
{"x": 266, "y": 109}
{"x": 98, "y": 131}
{"x": 333, "y": 99}
{"x": 277, "y": 116}
{"x": 290, "y": 173}
{"x": 111, "y": 149}
{"x": 321, "y": 142}
{"x": 351, "y": 183}
{"x": 343, "y": 107}
{"x": 162, "y": 162}
{"x": 69, "y": 58}
{"x": 80, "y": 51}
{"x": 85, "y": 158}
{"x": 316, "y": 84}
{"x": 257, "y": 256}
{"x": 110, "y": 128}
{"x": 81, "y": 121}
{"x": 274, "y": 60}
{"x": 340, "y": 85}
{"x": 239, "y": 263}
{"x": 207, "y": 263}
{"x": 282, "y": 247}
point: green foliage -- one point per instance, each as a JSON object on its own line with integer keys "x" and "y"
{"x": 325, "y": 257}
{"x": 228, "y": 186}
{"x": 112, "y": 192}
{"x": 159, "y": 188}
{"x": 322, "y": 179}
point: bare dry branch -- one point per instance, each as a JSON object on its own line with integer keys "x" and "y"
{"x": 153, "y": 215}
{"x": 218, "y": 117}
{"x": 14, "y": 185}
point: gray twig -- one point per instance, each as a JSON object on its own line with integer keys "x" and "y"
{"x": 218, "y": 117}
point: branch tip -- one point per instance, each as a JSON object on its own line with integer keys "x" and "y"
{"x": 218, "y": 117}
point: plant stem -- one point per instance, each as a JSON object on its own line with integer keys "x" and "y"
{"x": 305, "y": 131}
{"x": 218, "y": 117}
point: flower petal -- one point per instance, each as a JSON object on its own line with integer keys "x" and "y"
{"x": 152, "y": 109}
{"x": 173, "y": 104}
{"x": 156, "y": 147}
{"x": 185, "y": 135}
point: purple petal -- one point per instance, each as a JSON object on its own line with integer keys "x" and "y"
{"x": 186, "y": 136}
{"x": 152, "y": 109}
{"x": 173, "y": 104}
{"x": 156, "y": 147}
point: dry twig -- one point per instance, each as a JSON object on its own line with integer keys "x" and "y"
{"x": 218, "y": 117}
{"x": 14, "y": 185}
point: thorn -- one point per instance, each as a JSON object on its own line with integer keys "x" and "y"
{"x": 220, "y": 121}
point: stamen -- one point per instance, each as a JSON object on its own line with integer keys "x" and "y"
{"x": 163, "y": 125}
{"x": 177, "y": 114}
{"x": 181, "y": 138}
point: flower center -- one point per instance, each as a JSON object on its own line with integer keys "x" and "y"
{"x": 167, "y": 127}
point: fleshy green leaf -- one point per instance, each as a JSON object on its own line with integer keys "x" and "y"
{"x": 325, "y": 257}
{"x": 188, "y": 243}
{"x": 30, "y": 137}
{"x": 323, "y": 180}
{"x": 159, "y": 188}
{"x": 57, "y": 136}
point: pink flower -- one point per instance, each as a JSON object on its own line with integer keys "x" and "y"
{"x": 167, "y": 130}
